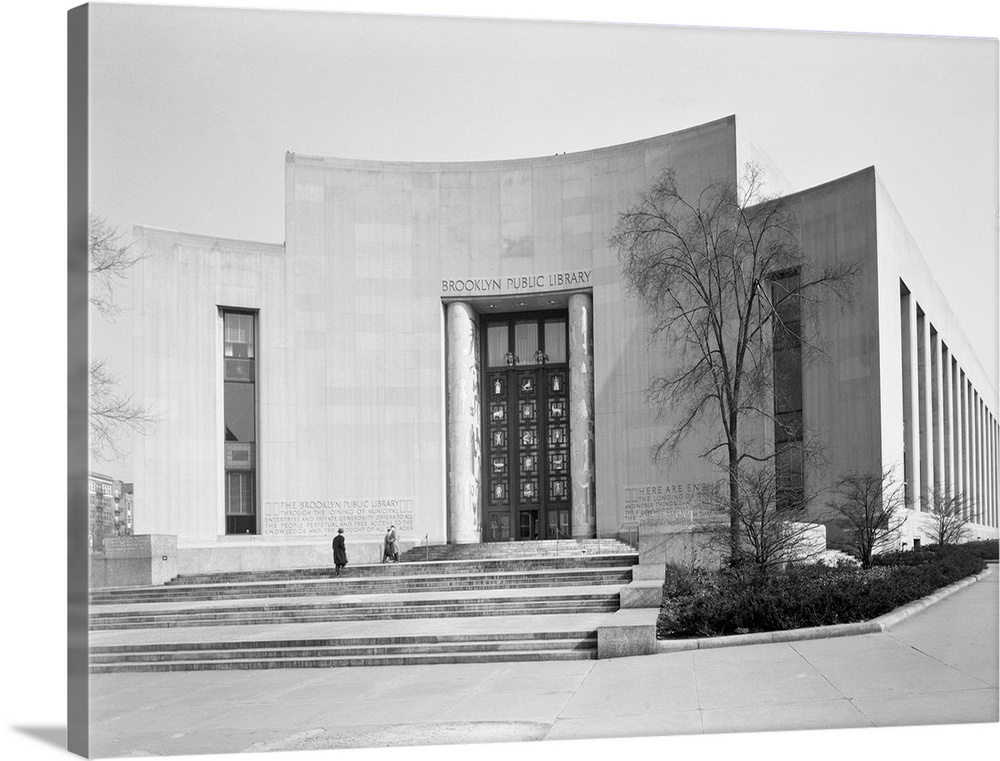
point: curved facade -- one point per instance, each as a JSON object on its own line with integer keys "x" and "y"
{"x": 446, "y": 347}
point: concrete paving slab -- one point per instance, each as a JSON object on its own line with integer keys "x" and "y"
{"x": 503, "y": 707}
{"x": 635, "y": 686}
{"x": 650, "y": 724}
{"x": 779, "y": 675}
{"x": 877, "y": 664}
{"x": 946, "y": 707}
{"x": 439, "y": 733}
{"x": 781, "y": 716}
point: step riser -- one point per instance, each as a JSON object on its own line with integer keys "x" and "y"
{"x": 464, "y": 613}
{"x": 347, "y": 587}
{"x": 436, "y": 565}
{"x": 402, "y": 639}
{"x": 277, "y": 609}
{"x": 344, "y": 662}
{"x": 330, "y": 652}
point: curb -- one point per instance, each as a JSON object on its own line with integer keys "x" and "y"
{"x": 901, "y": 614}
{"x": 875, "y": 626}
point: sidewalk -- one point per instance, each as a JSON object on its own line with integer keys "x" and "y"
{"x": 939, "y": 666}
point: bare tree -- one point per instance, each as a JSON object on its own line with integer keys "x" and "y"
{"x": 706, "y": 271}
{"x": 947, "y": 515}
{"x": 111, "y": 413}
{"x": 773, "y": 526}
{"x": 110, "y": 262}
{"x": 870, "y": 508}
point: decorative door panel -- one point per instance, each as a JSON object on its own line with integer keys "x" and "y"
{"x": 498, "y": 450}
{"x": 527, "y": 468}
{"x": 528, "y": 482}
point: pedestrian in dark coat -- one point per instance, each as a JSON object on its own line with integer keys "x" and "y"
{"x": 393, "y": 544}
{"x": 339, "y": 550}
{"x": 387, "y": 546}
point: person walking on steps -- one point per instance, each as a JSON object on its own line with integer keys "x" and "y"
{"x": 393, "y": 544}
{"x": 339, "y": 551}
{"x": 387, "y": 546}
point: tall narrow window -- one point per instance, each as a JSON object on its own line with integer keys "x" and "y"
{"x": 240, "y": 403}
{"x": 787, "y": 389}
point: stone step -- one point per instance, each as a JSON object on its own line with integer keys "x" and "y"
{"x": 410, "y": 659}
{"x": 414, "y": 567}
{"x": 351, "y": 641}
{"x": 549, "y": 606}
{"x": 312, "y": 652}
{"x": 348, "y": 651}
{"x": 541, "y": 548}
{"x": 352, "y": 586}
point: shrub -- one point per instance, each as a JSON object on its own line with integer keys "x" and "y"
{"x": 987, "y": 549}
{"x": 698, "y": 603}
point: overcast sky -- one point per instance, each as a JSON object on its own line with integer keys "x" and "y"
{"x": 193, "y": 109}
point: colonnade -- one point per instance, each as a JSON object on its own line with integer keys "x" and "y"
{"x": 950, "y": 435}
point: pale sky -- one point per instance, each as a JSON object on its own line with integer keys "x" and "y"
{"x": 192, "y": 111}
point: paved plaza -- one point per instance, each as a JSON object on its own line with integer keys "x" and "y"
{"x": 937, "y": 667}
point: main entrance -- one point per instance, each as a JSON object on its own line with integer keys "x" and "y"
{"x": 526, "y": 427}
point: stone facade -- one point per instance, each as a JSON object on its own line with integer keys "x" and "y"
{"x": 369, "y": 365}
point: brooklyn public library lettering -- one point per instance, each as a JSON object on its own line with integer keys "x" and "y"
{"x": 514, "y": 284}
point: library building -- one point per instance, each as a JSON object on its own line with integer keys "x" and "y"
{"x": 450, "y": 349}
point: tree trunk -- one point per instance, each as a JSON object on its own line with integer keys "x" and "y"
{"x": 734, "y": 501}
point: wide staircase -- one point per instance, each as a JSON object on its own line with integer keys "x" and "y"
{"x": 440, "y": 604}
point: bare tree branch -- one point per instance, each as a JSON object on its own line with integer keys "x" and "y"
{"x": 948, "y": 515}
{"x": 112, "y": 414}
{"x": 110, "y": 262}
{"x": 870, "y": 507}
{"x": 707, "y": 273}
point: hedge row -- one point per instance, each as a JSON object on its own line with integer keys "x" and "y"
{"x": 699, "y": 603}
{"x": 987, "y": 549}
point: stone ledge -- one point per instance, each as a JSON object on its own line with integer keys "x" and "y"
{"x": 629, "y": 631}
{"x": 642, "y": 594}
{"x": 649, "y": 572}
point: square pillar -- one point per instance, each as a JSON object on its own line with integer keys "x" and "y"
{"x": 911, "y": 405}
{"x": 925, "y": 411}
{"x": 937, "y": 414}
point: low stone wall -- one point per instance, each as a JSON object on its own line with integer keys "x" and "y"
{"x": 150, "y": 560}
{"x": 133, "y": 561}
{"x": 260, "y": 554}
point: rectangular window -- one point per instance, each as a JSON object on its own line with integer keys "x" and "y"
{"x": 240, "y": 416}
{"x": 788, "y": 425}
{"x": 497, "y": 345}
{"x": 555, "y": 341}
{"x": 526, "y": 342}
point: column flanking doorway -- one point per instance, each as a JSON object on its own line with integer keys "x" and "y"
{"x": 526, "y": 427}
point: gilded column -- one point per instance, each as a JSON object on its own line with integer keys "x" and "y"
{"x": 464, "y": 422}
{"x": 581, "y": 419}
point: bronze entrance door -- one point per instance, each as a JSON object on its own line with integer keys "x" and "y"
{"x": 527, "y": 429}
